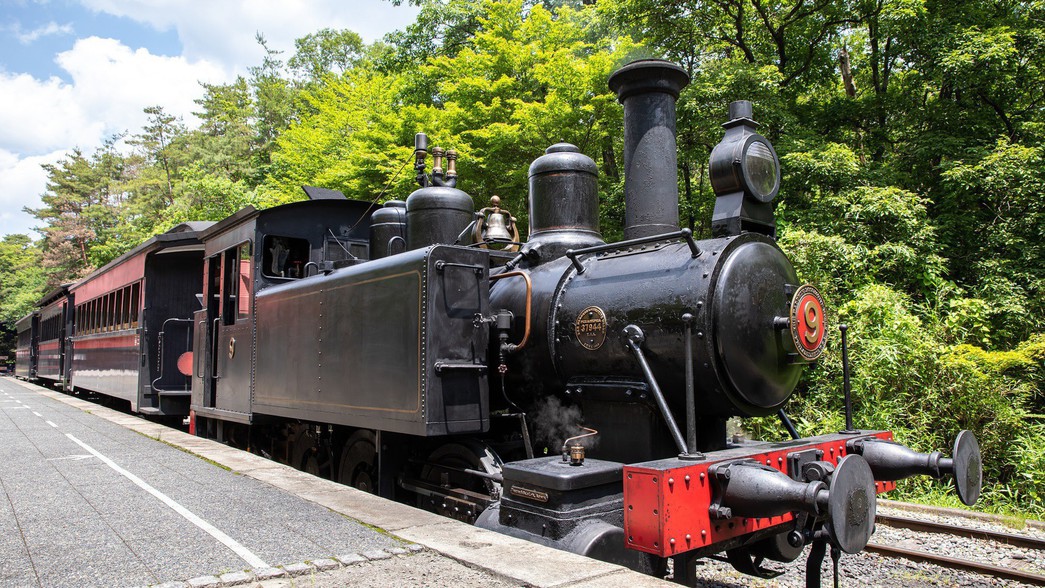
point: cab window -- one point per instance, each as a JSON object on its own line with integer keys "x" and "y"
{"x": 284, "y": 257}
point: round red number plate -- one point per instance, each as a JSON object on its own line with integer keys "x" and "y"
{"x": 808, "y": 326}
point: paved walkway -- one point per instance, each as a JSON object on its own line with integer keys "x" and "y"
{"x": 84, "y": 501}
{"x": 93, "y": 497}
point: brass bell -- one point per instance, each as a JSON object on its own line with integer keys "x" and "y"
{"x": 497, "y": 227}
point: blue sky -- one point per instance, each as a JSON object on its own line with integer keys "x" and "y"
{"x": 32, "y": 33}
{"x": 74, "y": 72}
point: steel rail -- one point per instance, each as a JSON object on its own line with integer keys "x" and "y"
{"x": 1013, "y": 539}
{"x": 1002, "y": 520}
{"x": 958, "y": 564}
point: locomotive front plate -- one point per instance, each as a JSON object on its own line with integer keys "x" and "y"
{"x": 807, "y": 322}
{"x": 591, "y": 327}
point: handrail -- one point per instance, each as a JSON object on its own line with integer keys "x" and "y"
{"x": 159, "y": 350}
{"x": 682, "y": 234}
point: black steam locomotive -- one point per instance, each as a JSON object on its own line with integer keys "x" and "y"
{"x": 565, "y": 390}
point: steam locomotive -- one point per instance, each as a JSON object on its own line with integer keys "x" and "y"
{"x": 564, "y": 390}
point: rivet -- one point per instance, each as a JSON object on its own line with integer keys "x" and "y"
{"x": 687, "y": 478}
{"x": 654, "y": 479}
{"x": 688, "y": 537}
{"x": 672, "y": 541}
{"x": 701, "y": 476}
{"x": 655, "y": 511}
{"x": 671, "y": 481}
{"x": 703, "y": 532}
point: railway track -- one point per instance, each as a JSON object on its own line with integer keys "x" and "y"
{"x": 933, "y": 527}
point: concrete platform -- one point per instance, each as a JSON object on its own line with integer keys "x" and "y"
{"x": 94, "y": 497}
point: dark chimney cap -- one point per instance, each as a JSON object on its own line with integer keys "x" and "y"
{"x": 648, "y": 75}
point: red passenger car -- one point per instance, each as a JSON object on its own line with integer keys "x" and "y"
{"x": 133, "y": 317}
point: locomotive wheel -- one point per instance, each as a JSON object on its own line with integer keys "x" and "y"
{"x": 310, "y": 455}
{"x": 453, "y": 457}
{"x": 359, "y": 462}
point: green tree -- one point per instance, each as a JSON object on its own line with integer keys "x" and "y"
{"x": 526, "y": 80}
{"x": 160, "y": 143}
{"x": 273, "y": 103}
{"x": 224, "y": 143}
{"x": 327, "y": 51}
{"x": 350, "y": 137}
{"x": 24, "y": 279}
{"x": 76, "y": 209}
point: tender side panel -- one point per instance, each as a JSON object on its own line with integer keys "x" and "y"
{"x": 667, "y": 502}
{"x": 390, "y": 344}
{"x": 344, "y": 348}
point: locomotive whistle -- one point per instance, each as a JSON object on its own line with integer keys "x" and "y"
{"x": 573, "y": 453}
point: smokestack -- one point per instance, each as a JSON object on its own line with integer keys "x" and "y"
{"x": 648, "y": 90}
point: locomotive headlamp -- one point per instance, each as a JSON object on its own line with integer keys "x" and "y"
{"x": 760, "y": 169}
{"x": 745, "y": 174}
{"x": 744, "y": 161}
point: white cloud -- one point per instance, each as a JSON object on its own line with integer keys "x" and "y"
{"x": 41, "y": 115}
{"x": 114, "y": 83}
{"x": 224, "y": 31}
{"x": 23, "y": 181}
{"x": 111, "y": 84}
{"x": 51, "y": 28}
